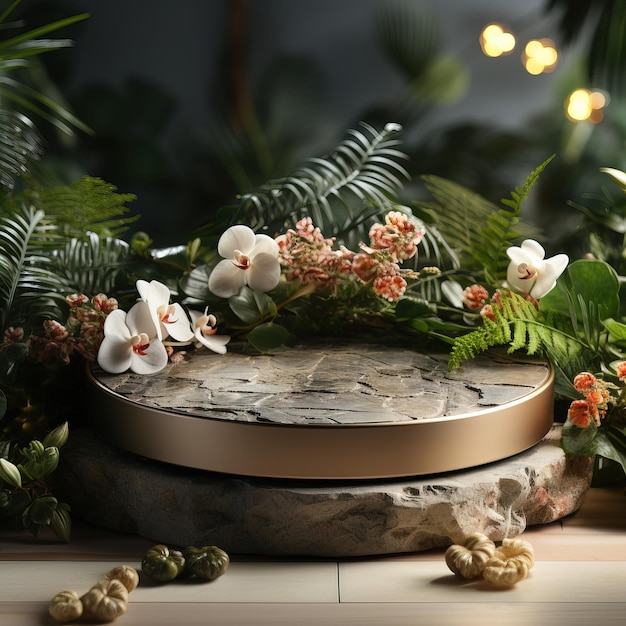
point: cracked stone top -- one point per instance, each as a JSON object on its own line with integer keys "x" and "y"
{"x": 330, "y": 384}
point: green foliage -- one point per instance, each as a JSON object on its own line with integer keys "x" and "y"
{"x": 20, "y": 142}
{"x": 87, "y": 205}
{"x": 340, "y": 191}
{"x": 30, "y": 289}
{"x": 24, "y": 493}
{"x": 518, "y": 325}
{"x": 477, "y": 228}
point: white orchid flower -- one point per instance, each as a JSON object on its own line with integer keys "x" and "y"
{"x": 130, "y": 341}
{"x": 530, "y": 272}
{"x": 170, "y": 320}
{"x": 205, "y": 331}
{"x": 249, "y": 259}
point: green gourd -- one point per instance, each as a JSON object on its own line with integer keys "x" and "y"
{"x": 162, "y": 564}
{"x": 207, "y": 562}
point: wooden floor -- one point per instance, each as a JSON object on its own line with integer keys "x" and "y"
{"x": 579, "y": 578}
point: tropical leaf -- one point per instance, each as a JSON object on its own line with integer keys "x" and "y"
{"x": 358, "y": 179}
{"x": 20, "y": 145}
{"x": 30, "y": 288}
{"x": 91, "y": 266}
{"x": 478, "y": 229}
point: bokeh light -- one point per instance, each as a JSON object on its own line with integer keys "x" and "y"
{"x": 585, "y": 105}
{"x": 496, "y": 41}
{"x": 539, "y": 56}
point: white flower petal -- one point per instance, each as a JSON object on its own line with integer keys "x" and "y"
{"x": 114, "y": 354}
{"x": 153, "y": 360}
{"x": 180, "y": 329}
{"x": 533, "y": 249}
{"x": 617, "y": 175}
{"x": 264, "y": 272}
{"x": 550, "y": 270}
{"x": 142, "y": 288}
{"x": 226, "y": 279}
{"x": 263, "y": 243}
{"x": 237, "y": 237}
{"x": 216, "y": 343}
{"x": 115, "y": 325}
{"x": 139, "y": 320}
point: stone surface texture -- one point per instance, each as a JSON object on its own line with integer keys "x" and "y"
{"x": 181, "y": 506}
{"x": 330, "y": 384}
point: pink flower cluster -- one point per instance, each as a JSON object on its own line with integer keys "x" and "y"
{"x": 596, "y": 399}
{"x": 307, "y": 256}
{"x": 82, "y": 332}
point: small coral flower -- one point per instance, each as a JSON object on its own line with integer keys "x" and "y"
{"x": 170, "y": 320}
{"x": 530, "y": 272}
{"x": 249, "y": 259}
{"x": 580, "y": 413}
{"x": 131, "y": 342}
{"x": 205, "y": 331}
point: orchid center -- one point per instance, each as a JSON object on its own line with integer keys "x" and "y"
{"x": 141, "y": 343}
{"x": 526, "y": 272}
{"x": 167, "y": 314}
{"x": 241, "y": 260}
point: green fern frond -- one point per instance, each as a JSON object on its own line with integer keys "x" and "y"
{"x": 477, "y": 228}
{"x": 358, "y": 179}
{"x": 518, "y": 324}
{"x": 88, "y": 205}
{"x": 29, "y": 286}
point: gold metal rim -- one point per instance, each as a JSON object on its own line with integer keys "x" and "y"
{"x": 346, "y": 452}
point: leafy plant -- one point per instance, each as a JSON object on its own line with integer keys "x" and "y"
{"x": 24, "y": 492}
{"x": 21, "y": 142}
{"x": 340, "y": 191}
{"x": 477, "y": 229}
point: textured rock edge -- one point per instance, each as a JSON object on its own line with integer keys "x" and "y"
{"x": 179, "y": 506}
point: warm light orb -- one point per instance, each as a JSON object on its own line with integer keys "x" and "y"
{"x": 585, "y": 105}
{"x": 495, "y": 41}
{"x": 539, "y": 56}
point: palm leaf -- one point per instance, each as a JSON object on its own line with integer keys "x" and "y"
{"x": 361, "y": 175}
{"x": 20, "y": 145}
{"x": 91, "y": 266}
{"x": 29, "y": 286}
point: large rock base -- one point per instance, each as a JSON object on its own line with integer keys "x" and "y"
{"x": 180, "y": 506}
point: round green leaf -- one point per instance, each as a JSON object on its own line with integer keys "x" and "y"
{"x": 592, "y": 281}
{"x": 269, "y": 337}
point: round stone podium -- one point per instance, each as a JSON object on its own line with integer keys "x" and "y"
{"x": 333, "y": 450}
{"x": 335, "y": 411}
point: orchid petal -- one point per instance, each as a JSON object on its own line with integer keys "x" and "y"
{"x": 264, "y": 272}
{"x": 139, "y": 320}
{"x": 114, "y": 354}
{"x": 237, "y": 237}
{"x": 530, "y": 272}
{"x": 153, "y": 360}
{"x": 226, "y": 279}
{"x": 180, "y": 328}
{"x": 216, "y": 343}
{"x": 546, "y": 280}
{"x": 263, "y": 243}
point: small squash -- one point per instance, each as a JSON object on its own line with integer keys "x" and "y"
{"x": 105, "y": 601}
{"x": 162, "y": 564}
{"x": 468, "y": 559}
{"x": 126, "y": 574}
{"x": 66, "y": 606}
{"x": 208, "y": 562}
{"x": 510, "y": 564}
